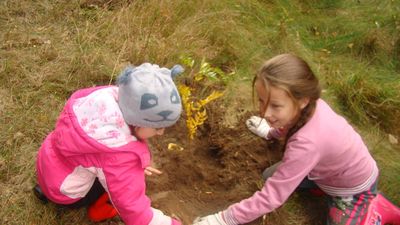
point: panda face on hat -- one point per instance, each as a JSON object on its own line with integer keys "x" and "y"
{"x": 148, "y": 96}
{"x": 151, "y": 101}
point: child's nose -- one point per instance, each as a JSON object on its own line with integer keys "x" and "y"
{"x": 267, "y": 113}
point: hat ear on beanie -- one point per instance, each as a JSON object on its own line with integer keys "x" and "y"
{"x": 148, "y": 97}
{"x": 124, "y": 77}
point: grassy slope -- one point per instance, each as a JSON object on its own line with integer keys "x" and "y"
{"x": 48, "y": 49}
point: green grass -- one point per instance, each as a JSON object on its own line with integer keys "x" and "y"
{"x": 50, "y": 48}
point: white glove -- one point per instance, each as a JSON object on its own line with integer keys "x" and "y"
{"x": 159, "y": 218}
{"x": 214, "y": 219}
{"x": 258, "y": 126}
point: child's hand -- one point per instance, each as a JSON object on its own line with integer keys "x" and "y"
{"x": 150, "y": 170}
{"x": 160, "y": 219}
{"x": 214, "y": 219}
{"x": 258, "y": 126}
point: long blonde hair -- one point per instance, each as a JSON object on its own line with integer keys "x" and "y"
{"x": 295, "y": 76}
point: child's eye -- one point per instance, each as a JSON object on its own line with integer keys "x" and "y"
{"x": 275, "y": 106}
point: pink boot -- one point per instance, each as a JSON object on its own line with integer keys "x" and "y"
{"x": 381, "y": 211}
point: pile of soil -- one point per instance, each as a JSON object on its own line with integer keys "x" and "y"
{"x": 221, "y": 166}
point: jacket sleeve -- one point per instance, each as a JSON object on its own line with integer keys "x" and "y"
{"x": 275, "y": 133}
{"x": 124, "y": 175}
{"x": 299, "y": 159}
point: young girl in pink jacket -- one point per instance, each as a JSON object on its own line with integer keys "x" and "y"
{"x": 321, "y": 149}
{"x": 97, "y": 155}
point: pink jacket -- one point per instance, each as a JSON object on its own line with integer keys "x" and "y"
{"x": 328, "y": 151}
{"x": 69, "y": 161}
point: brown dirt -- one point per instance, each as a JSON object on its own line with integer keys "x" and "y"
{"x": 223, "y": 165}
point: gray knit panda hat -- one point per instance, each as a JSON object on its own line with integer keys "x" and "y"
{"x": 148, "y": 97}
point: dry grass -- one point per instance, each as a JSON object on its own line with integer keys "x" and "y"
{"x": 50, "y": 48}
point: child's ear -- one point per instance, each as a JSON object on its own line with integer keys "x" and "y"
{"x": 304, "y": 102}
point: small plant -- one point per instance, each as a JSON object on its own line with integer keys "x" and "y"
{"x": 193, "y": 103}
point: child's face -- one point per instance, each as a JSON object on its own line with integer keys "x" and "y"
{"x": 280, "y": 111}
{"x": 144, "y": 133}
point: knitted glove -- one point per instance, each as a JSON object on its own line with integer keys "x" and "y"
{"x": 214, "y": 219}
{"x": 258, "y": 126}
{"x": 102, "y": 209}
